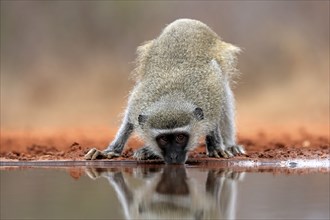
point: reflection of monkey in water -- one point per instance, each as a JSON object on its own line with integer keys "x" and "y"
{"x": 183, "y": 92}
{"x": 172, "y": 194}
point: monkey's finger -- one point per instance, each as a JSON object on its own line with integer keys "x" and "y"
{"x": 223, "y": 153}
{"x": 241, "y": 149}
{"x": 111, "y": 155}
{"x": 213, "y": 153}
{"x": 235, "y": 150}
{"x": 229, "y": 154}
{"x": 90, "y": 153}
{"x": 96, "y": 154}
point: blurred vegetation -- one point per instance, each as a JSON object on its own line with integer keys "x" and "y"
{"x": 67, "y": 63}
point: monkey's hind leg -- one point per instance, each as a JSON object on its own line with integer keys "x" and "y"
{"x": 215, "y": 146}
{"x": 145, "y": 153}
{"x": 116, "y": 147}
{"x": 227, "y": 122}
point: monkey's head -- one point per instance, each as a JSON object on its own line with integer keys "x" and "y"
{"x": 172, "y": 131}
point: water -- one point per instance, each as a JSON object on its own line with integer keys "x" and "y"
{"x": 153, "y": 192}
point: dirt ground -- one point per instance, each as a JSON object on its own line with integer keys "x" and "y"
{"x": 74, "y": 144}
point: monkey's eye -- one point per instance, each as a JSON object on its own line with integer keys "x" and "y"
{"x": 181, "y": 138}
{"x": 162, "y": 140}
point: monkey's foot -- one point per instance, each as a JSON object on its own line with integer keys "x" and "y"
{"x": 237, "y": 150}
{"x": 220, "y": 153}
{"x": 145, "y": 153}
{"x": 94, "y": 154}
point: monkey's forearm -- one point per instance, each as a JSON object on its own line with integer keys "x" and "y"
{"x": 227, "y": 122}
{"x": 117, "y": 145}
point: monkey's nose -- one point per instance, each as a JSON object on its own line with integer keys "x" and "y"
{"x": 174, "y": 156}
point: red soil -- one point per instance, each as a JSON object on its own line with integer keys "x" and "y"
{"x": 73, "y": 145}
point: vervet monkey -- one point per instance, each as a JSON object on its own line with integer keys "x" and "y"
{"x": 182, "y": 93}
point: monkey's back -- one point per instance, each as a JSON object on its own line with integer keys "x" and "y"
{"x": 179, "y": 61}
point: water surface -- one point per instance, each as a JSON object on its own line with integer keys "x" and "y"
{"x": 161, "y": 192}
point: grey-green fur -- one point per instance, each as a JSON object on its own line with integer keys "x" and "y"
{"x": 186, "y": 67}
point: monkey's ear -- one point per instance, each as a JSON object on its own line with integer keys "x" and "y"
{"x": 142, "y": 119}
{"x": 198, "y": 113}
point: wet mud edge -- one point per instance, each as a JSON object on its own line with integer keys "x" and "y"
{"x": 322, "y": 165}
{"x": 300, "y": 152}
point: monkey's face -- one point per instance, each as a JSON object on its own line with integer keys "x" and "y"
{"x": 171, "y": 131}
{"x": 173, "y": 147}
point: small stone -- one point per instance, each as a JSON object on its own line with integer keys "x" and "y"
{"x": 306, "y": 143}
{"x": 293, "y": 164}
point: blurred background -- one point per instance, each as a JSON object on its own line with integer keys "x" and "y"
{"x": 67, "y": 64}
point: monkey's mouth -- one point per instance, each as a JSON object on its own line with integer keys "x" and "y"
{"x": 174, "y": 162}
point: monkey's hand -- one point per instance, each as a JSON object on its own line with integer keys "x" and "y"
{"x": 219, "y": 153}
{"x": 97, "y": 154}
{"x": 237, "y": 150}
{"x": 145, "y": 153}
{"x": 226, "y": 152}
